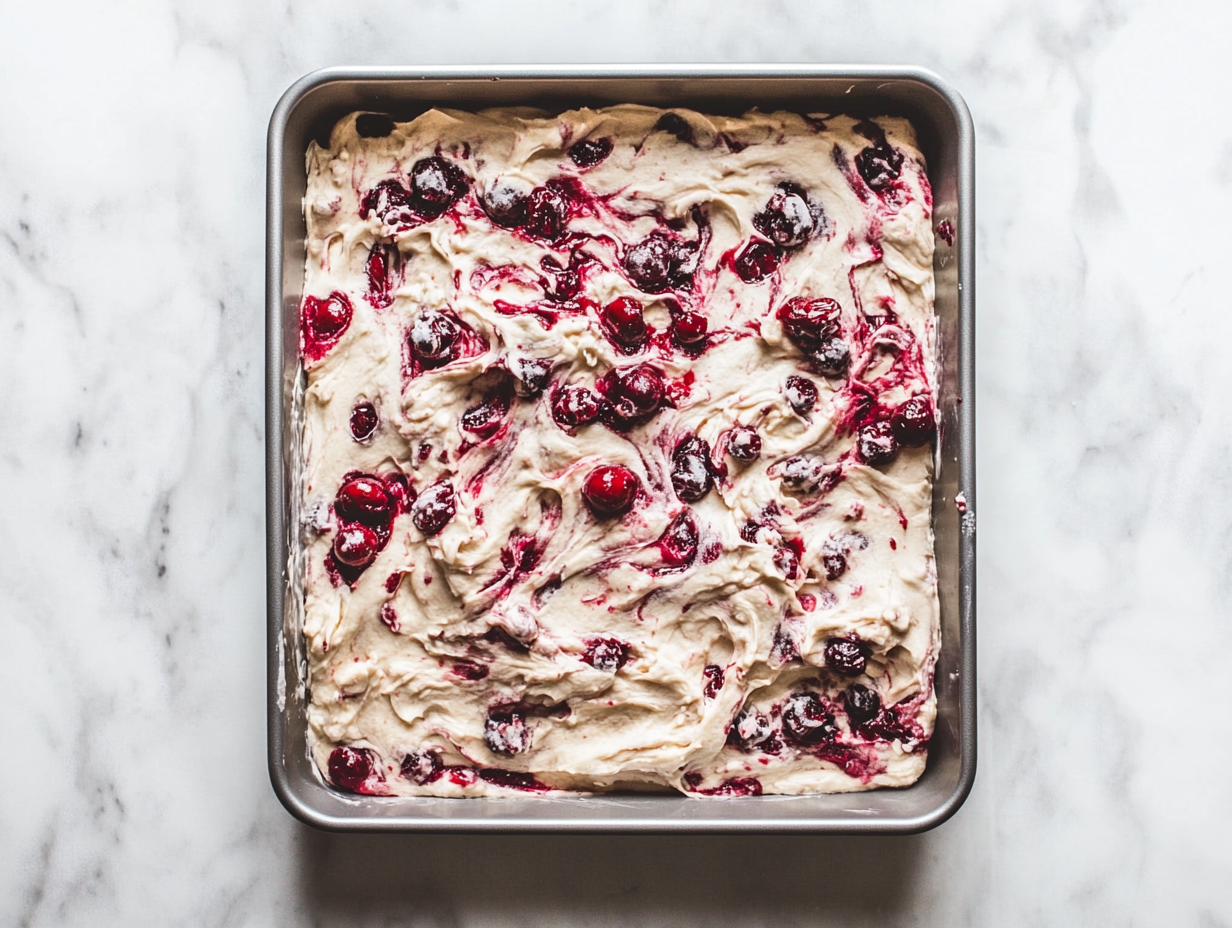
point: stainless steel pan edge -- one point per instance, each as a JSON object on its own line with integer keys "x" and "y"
{"x": 948, "y": 140}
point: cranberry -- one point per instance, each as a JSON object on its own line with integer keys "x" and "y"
{"x": 806, "y": 721}
{"x": 364, "y": 499}
{"x": 350, "y": 768}
{"x": 589, "y": 152}
{"x": 714, "y": 675}
{"x": 689, "y": 330}
{"x": 384, "y": 269}
{"x": 422, "y": 767}
{"x": 531, "y": 376}
{"x": 386, "y": 197}
{"x": 434, "y": 338}
{"x": 610, "y": 490}
{"x": 434, "y": 508}
{"x": 505, "y": 205}
{"x": 913, "y": 422}
{"x": 676, "y": 125}
{"x": 743, "y": 443}
{"x": 831, "y": 358}
{"x": 633, "y": 395}
{"x": 862, "y": 704}
{"x": 436, "y": 185}
{"x": 846, "y": 656}
{"x": 808, "y": 323}
{"x": 373, "y": 125}
{"x": 801, "y": 394}
{"x": 624, "y": 324}
{"x": 547, "y": 212}
{"x": 691, "y": 476}
{"x": 606, "y": 654}
{"x": 678, "y": 545}
{"x": 787, "y": 561}
{"x": 750, "y": 728}
{"x": 573, "y": 406}
{"x": 484, "y": 419}
{"x": 756, "y": 261}
{"x": 324, "y": 320}
{"x": 505, "y": 732}
{"x": 879, "y": 164}
{"x": 787, "y": 219}
{"x": 364, "y": 421}
{"x": 658, "y": 263}
{"x": 803, "y": 473}
{"x": 784, "y": 648}
{"x": 400, "y": 492}
{"x": 835, "y": 563}
{"x": 876, "y": 444}
{"x": 356, "y": 545}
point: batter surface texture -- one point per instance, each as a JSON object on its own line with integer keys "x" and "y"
{"x": 616, "y": 448}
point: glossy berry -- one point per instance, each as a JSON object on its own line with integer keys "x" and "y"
{"x": 743, "y": 443}
{"x": 387, "y": 200}
{"x": 422, "y": 767}
{"x": 573, "y": 406}
{"x": 714, "y": 676}
{"x": 691, "y": 475}
{"x": 806, "y": 721}
{"x": 847, "y": 657}
{"x": 633, "y": 395}
{"x": 384, "y": 270}
{"x": 689, "y": 330}
{"x": 547, "y": 212}
{"x": 787, "y": 562}
{"x": 831, "y": 358}
{"x": 373, "y": 125}
{"x": 356, "y": 545}
{"x": 364, "y": 499}
{"x": 484, "y": 419}
{"x": 624, "y": 325}
{"x": 606, "y": 654}
{"x": 787, "y": 219}
{"x": 678, "y": 546}
{"x": 364, "y": 421}
{"x": 879, "y": 164}
{"x": 505, "y": 732}
{"x": 433, "y": 339}
{"x": 531, "y": 376}
{"x": 324, "y": 321}
{"x": 913, "y": 422}
{"x": 876, "y": 444}
{"x": 436, "y": 184}
{"x": 610, "y": 490}
{"x": 350, "y": 768}
{"x": 434, "y": 507}
{"x": 801, "y": 394}
{"x": 756, "y": 261}
{"x": 589, "y": 152}
{"x": 674, "y": 124}
{"x": 751, "y": 728}
{"x": 809, "y": 323}
{"x": 658, "y": 263}
{"x": 400, "y": 493}
{"x": 862, "y": 704}
{"x": 505, "y": 205}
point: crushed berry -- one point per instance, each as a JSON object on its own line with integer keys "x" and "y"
{"x": 787, "y": 561}
{"x": 743, "y": 443}
{"x": 505, "y": 205}
{"x": 573, "y": 406}
{"x": 806, "y": 721}
{"x": 657, "y": 263}
{"x": 714, "y": 676}
{"x": 624, "y": 324}
{"x": 505, "y": 732}
{"x": 606, "y": 654}
{"x": 678, "y": 545}
{"x": 322, "y": 323}
{"x": 809, "y": 323}
{"x": 384, "y": 270}
{"x": 835, "y": 563}
{"x": 531, "y": 376}
{"x": 756, "y": 261}
{"x": 484, "y": 419}
{"x": 433, "y": 339}
{"x": 689, "y": 330}
{"x": 832, "y": 357}
{"x": 879, "y": 164}
{"x": 633, "y": 395}
{"x": 436, "y": 184}
{"x": 876, "y": 444}
{"x": 547, "y": 212}
{"x": 750, "y": 729}
{"x": 801, "y": 394}
{"x": 351, "y": 768}
{"x": 787, "y": 219}
{"x": 422, "y": 767}
{"x": 862, "y": 704}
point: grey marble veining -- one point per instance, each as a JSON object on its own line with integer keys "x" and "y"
{"x": 131, "y": 442}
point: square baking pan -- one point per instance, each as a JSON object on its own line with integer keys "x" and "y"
{"x": 308, "y": 110}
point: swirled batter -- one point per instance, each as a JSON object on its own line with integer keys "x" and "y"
{"x": 617, "y": 453}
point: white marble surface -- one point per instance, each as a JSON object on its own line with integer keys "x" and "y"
{"x": 131, "y": 439}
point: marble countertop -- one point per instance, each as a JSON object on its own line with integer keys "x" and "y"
{"x": 131, "y": 465}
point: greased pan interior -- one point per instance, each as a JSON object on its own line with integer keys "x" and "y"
{"x": 308, "y": 110}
